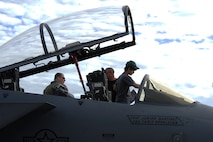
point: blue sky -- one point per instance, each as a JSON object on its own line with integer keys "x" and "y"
{"x": 174, "y": 42}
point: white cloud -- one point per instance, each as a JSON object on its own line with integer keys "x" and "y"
{"x": 9, "y": 20}
{"x": 12, "y": 9}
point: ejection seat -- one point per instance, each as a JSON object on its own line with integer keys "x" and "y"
{"x": 97, "y": 83}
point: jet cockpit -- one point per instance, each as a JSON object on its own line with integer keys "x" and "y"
{"x": 73, "y": 38}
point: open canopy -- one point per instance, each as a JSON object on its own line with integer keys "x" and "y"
{"x": 66, "y": 40}
{"x": 83, "y": 27}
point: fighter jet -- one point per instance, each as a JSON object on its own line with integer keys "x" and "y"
{"x": 159, "y": 113}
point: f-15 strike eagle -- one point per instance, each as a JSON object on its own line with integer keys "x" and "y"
{"x": 158, "y": 114}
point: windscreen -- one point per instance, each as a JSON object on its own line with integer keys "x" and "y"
{"x": 154, "y": 91}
